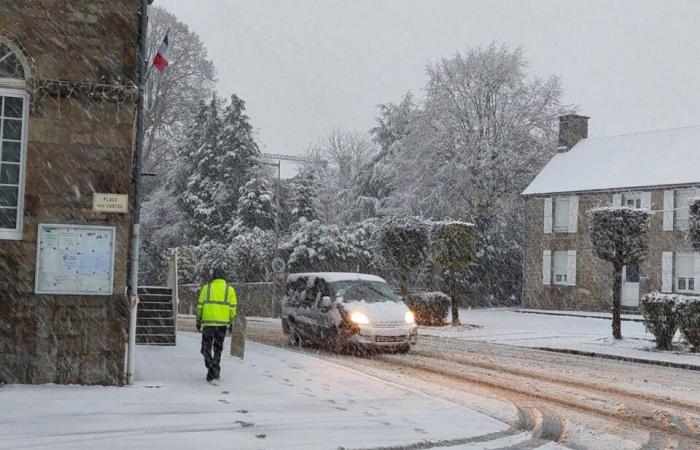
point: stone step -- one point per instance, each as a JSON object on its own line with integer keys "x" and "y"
{"x": 154, "y": 314}
{"x": 155, "y": 305}
{"x": 154, "y": 290}
{"x": 155, "y": 299}
{"x": 155, "y": 329}
{"x": 158, "y": 339}
{"x": 155, "y": 321}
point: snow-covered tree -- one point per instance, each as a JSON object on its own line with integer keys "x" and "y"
{"x": 694, "y": 223}
{"x": 618, "y": 235}
{"x": 483, "y": 131}
{"x": 172, "y": 95}
{"x": 222, "y": 153}
{"x": 305, "y": 195}
{"x": 453, "y": 248}
{"x": 404, "y": 245}
{"x": 255, "y": 204}
{"x": 319, "y": 247}
{"x": 252, "y": 253}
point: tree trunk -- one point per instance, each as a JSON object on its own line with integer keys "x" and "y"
{"x": 616, "y": 302}
{"x": 455, "y": 303}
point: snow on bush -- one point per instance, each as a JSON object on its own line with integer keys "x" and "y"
{"x": 688, "y": 316}
{"x": 669, "y": 309}
{"x": 694, "y": 228}
{"x": 453, "y": 248}
{"x": 660, "y": 318}
{"x": 430, "y": 308}
{"x": 618, "y": 235}
{"x": 404, "y": 245}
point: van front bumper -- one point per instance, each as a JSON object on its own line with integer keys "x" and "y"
{"x": 385, "y": 336}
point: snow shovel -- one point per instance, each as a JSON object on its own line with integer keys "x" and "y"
{"x": 238, "y": 336}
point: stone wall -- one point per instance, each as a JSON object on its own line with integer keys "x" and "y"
{"x": 593, "y": 290}
{"x": 82, "y": 57}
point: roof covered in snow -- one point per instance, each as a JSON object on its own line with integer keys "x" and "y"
{"x": 336, "y": 276}
{"x": 655, "y": 158}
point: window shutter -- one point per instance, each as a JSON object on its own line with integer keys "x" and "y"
{"x": 547, "y": 267}
{"x": 548, "y": 215}
{"x": 571, "y": 267}
{"x": 617, "y": 200}
{"x": 573, "y": 214}
{"x": 696, "y": 272}
{"x": 668, "y": 211}
{"x": 667, "y": 272}
{"x": 646, "y": 200}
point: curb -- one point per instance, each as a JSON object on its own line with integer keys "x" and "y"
{"x": 582, "y": 316}
{"x": 621, "y": 358}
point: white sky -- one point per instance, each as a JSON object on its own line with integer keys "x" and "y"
{"x": 304, "y": 66}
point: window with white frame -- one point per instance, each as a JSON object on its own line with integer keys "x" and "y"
{"x": 685, "y": 272}
{"x": 682, "y": 213}
{"x": 561, "y": 214}
{"x": 560, "y": 269}
{"x": 13, "y": 142}
{"x": 633, "y": 200}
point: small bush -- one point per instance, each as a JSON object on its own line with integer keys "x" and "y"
{"x": 688, "y": 317}
{"x": 430, "y": 308}
{"x": 660, "y": 318}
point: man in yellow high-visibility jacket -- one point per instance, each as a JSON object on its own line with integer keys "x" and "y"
{"x": 216, "y": 310}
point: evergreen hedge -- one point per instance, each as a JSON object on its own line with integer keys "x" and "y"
{"x": 688, "y": 316}
{"x": 430, "y": 308}
{"x": 660, "y": 318}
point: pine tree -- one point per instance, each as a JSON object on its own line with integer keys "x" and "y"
{"x": 305, "y": 196}
{"x": 218, "y": 157}
{"x": 255, "y": 208}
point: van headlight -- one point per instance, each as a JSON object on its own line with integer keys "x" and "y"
{"x": 410, "y": 317}
{"x": 359, "y": 318}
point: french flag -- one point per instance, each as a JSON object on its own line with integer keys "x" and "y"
{"x": 161, "y": 59}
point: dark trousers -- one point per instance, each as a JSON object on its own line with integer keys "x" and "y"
{"x": 213, "y": 338}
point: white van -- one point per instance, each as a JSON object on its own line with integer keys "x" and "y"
{"x": 338, "y": 310}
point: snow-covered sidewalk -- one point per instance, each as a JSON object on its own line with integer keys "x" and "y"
{"x": 560, "y": 332}
{"x": 274, "y": 399}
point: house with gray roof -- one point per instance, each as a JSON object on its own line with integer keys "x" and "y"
{"x": 654, "y": 170}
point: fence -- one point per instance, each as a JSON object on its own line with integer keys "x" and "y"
{"x": 254, "y": 299}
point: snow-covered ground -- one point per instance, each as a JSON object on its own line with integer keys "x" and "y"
{"x": 558, "y": 332}
{"x": 274, "y": 399}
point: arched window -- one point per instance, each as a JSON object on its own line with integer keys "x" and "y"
{"x": 14, "y": 107}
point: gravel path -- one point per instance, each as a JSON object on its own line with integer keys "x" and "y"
{"x": 586, "y": 403}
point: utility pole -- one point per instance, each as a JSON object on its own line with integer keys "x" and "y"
{"x": 136, "y": 189}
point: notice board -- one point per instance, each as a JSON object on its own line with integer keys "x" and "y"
{"x": 75, "y": 260}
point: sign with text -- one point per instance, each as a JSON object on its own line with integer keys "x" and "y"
{"x": 110, "y": 203}
{"x": 75, "y": 260}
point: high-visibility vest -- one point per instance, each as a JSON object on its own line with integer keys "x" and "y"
{"x": 217, "y": 304}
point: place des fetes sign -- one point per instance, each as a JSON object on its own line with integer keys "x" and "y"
{"x": 110, "y": 203}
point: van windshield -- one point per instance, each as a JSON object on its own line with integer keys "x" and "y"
{"x": 369, "y": 291}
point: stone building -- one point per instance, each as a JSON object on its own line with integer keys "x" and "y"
{"x": 67, "y": 114}
{"x": 654, "y": 170}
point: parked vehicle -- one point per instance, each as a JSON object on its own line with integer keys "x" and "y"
{"x": 346, "y": 311}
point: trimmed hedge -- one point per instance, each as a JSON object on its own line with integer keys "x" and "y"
{"x": 660, "y": 318}
{"x": 430, "y": 308}
{"x": 694, "y": 227}
{"x": 688, "y": 316}
{"x": 664, "y": 312}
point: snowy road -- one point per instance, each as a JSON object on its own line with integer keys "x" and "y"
{"x": 584, "y": 402}
{"x": 275, "y": 399}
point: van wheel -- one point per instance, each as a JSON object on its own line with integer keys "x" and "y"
{"x": 403, "y": 349}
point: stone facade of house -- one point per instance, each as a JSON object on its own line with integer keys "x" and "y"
{"x": 78, "y": 66}
{"x": 593, "y": 286}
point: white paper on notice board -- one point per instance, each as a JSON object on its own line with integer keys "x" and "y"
{"x": 75, "y": 260}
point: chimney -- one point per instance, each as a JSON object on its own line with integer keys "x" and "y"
{"x": 572, "y": 128}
